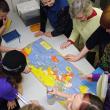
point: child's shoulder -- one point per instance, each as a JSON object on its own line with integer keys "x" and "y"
{"x": 4, "y": 84}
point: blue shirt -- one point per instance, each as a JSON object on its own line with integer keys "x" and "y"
{"x": 52, "y": 11}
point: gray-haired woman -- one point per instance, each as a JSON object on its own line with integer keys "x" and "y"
{"x": 85, "y": 19}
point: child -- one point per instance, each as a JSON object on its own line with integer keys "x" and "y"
{"x": 95, "y": 77}
{"x": 57, "y": 12}
{"x": 81, "y": 101}
{"x": 13, "y": 64}
{"x": 4, "y": 9}
{"x": 32, "y": 106}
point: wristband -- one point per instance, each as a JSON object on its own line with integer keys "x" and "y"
{"x": 70, "y": 41}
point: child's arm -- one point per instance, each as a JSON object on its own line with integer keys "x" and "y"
{"x": 6, "y": 49}
{"x": 93, "y": 77}
{"x": 27, "y": 70}
{"x": 43, "y": 18}
{"x": 61, "y": 94}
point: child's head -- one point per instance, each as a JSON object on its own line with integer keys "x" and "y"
{"x": 84, "y": 102}
{"x": 32, "y": 107}
{"x": 105, "y": 18}
{"x": 13, "y": 63}
{"x": 48, "y": 3}
{"x": 4, "y": 9}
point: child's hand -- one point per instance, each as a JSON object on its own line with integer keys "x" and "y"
{"x": 65, "y": 45}
{"x": 54, "y": 91}
{"x": 5, "y": 19}
{"x": 27, "y": 70}
{"x": 87, "y": 77}
{"x": 71, "y": 58}
{"x": 48, "y": 34}
{"x": 11, "y": 105}
{"x": 39, "y": 33}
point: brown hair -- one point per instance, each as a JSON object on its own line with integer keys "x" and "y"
{"x": 4, "y": 6}
{"x": 93, "y": 103}
{"x": 105, "y": 18}
{"x": 32, "y": 107}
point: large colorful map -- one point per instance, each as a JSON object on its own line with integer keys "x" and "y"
{"x": 52, "y": 69}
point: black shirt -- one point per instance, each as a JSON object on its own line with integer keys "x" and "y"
{"x": 64, "y": 23}
{"x": 99, "y": 38}
{"x": 1, "y": 23}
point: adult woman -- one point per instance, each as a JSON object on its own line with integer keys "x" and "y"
{"x": 85, "y": 19}
{"x": 101, "y": 38}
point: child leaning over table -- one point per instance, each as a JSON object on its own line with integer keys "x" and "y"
{"x": 80, "y": 101}
{"x": 4, "y": 9}
{"x": 95, "y": 77}
{"x": 57, "y": 12}
{"x": 13, "y": 64}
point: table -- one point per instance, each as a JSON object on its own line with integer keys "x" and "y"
{"x": 33, "y": 89}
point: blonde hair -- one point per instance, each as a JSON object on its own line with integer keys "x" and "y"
{"x": 77, "y": 6}
{"x": 32, "y": 107}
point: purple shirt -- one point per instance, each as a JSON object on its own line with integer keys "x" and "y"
{"x": 7, "y": 92}
{"x": 95, "y": 77}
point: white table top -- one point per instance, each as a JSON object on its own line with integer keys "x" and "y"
{"x": 33, "y": 89}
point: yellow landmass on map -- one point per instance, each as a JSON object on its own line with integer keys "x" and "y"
{"x": 28, "y": 50}
{"x": 45, "y": 45}
{"x": 83, "y": 89}
{"x": 42, "y": 76}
